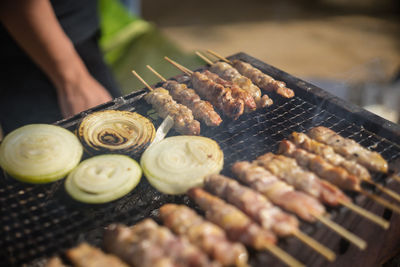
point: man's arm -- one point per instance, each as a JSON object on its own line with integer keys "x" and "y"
{"x": 34, "y": 26}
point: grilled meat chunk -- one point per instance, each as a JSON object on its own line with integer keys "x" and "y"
{"x": 349, "y": 149}
{"x": 237, "y": 92}
{"x": 227, "y": 72}
{"x": 252, "y": 203}
{"x": 279, "y": 192}
{"x": 288, "y": 170}
{"x": 303, "y": 141}
{"x": 202, "y": 110}
{"x": 55, "y": 262}
{"x": 335, "y": 175}
{"x": 148, "y": 244}
{"x": 204, "y": 234}
{"x": 163, "y": 103}
{"x": 262, "y": 80}
{"x": 217, "y": 94}
{"x": 237, "y": 225}
{"x": 85, "y": 255}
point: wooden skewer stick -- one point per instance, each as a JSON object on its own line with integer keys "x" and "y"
{"x": 283, "y": 256}
{"x": 156, "y": 73}
{"x": 203, "y": 57}
{"x": 395, "y": 177}
{"x": 321, "y": 249}
{"x": 360, "y": 243}
{"x": 219, "y": 56}
{"x": 367, "y": 214}
{"x": 385, "y": 190}
{"x": 143, "y": 81}
{"x": 381, "y": 201}
{"x": 179, "y": 66}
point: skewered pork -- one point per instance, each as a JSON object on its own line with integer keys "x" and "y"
{"x": 288, "y": 170}
{"x": 227, "y": 72}
{"x": 303, "y": 141}
{"x": 336, "y": 175}
{"x": 85, "y": 255}
{"x": 217, "y": 94}
{"x": 204, "y": 234}
{"x": 163, "y": 103}
{"x": 148, "y": 244}
{"x": 55, "y": 262}
{"x": 202, "y": 110}
{"x": 252, "y": 203}
{"x": 279, "y": 192}
{"x": 349, "y": 149}
{"x": 262, "y": 80}
{"x": 237, "y": 225}
{"x": 237, "y": 92}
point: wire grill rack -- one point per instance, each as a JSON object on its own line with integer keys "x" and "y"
{"x": 39, "y": 221}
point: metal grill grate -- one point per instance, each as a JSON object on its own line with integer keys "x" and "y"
{"x": 39, "y": 221}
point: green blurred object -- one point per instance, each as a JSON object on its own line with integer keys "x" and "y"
{"x": 130, "y": 43}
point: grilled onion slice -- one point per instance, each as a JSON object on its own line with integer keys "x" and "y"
{"x": 103, "y": 178}
{"x": 115, "y": 131}
{"x": 40, "y": 153}
{"x": 178, "y": 163}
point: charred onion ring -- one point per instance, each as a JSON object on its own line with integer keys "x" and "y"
{"x": 115, "y": 131}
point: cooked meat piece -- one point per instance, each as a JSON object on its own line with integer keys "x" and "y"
{"x": 55, "y": 262}
{"x": 252, "y": 203}
{"x": 303, "y": 141}
{"x": 262, "y": 80}
{"x": 148, "y": 244}
{"x": 237, "y": 92}
{"x": 236, "y": 224}
{"x": 227, "y": 72}
{"x": 204, "y": 234}
{"x": 217, "y": 94}
{"x": 335, "y": 175}
{"x": 349, "y": 149}
{"x": 163, "y": 103}
{"x": 288, "y": 170}
{"x": 202, "y": 110}
{"x": 85, "y": 255}
{"x": 279, "y": 192}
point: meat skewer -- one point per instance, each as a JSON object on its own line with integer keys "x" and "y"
{"x": 303, "y": 141}
{"x": 335, "y": 175}
{"x": 284, "y": 195}
{"x": 207, "y": 236}
{"x": 163, "y": 103}
{"x": 220, "y": 96}
{"x": 229, "y": 73}
{"x": 289, "y": 170}
{"x": 261, "y": 210}
{"x": 259, "y": 78}
{"x": 349, "y": 149}
{"x": 85, "y": 255}
{"x": 147, "y": 244}
{"x": 202, "y": 110}
{"x": 238, "y": 226}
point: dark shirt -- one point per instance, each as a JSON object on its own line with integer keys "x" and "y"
{"x": 78, "y": 18}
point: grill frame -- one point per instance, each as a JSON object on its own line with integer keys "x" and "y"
{"x": 41, "y": 221}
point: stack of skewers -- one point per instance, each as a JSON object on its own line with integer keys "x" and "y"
{"x": 273, "y": 194}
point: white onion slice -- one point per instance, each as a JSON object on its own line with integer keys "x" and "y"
{"x": 103, "y": 178}
{"x": 178, "y": 163}
{"x": 40, "y": 153}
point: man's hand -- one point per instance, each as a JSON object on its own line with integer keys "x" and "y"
{"x": 79, "y": 95}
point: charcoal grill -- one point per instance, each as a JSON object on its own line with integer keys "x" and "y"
{"x": 39, "y": 221}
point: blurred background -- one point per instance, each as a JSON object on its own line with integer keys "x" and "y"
{"x": 349, "y": 48}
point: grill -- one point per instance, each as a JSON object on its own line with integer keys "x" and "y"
{"x": 38, "y": 221}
